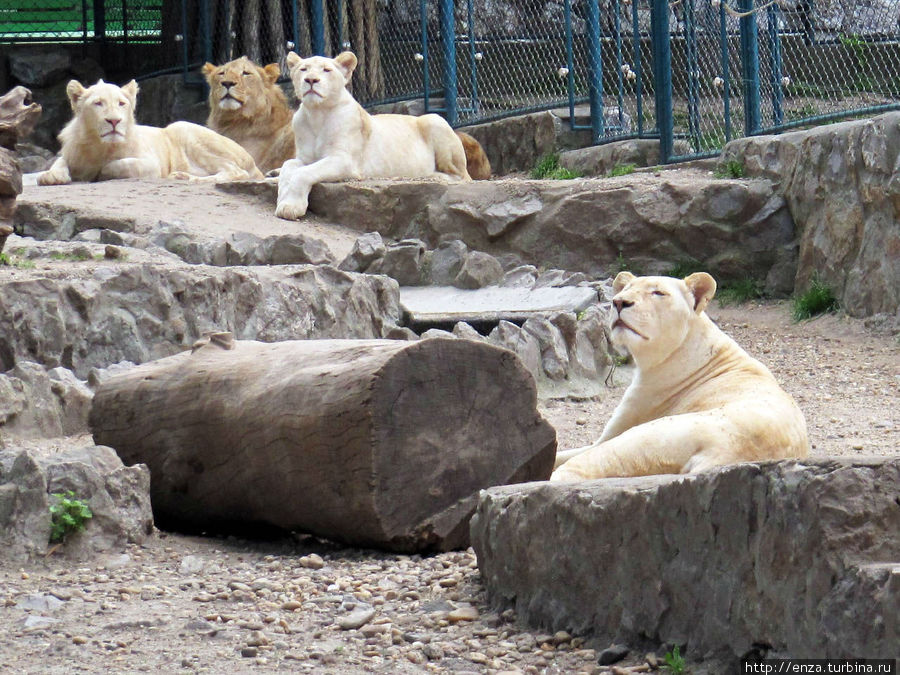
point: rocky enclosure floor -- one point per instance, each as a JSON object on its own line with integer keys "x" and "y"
{"x": 298, "y": 605}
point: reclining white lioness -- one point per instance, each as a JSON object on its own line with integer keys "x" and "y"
{"x": 337, "y": 139}
{"x": 102, "y": 141}
{"x": 697, "y": 399}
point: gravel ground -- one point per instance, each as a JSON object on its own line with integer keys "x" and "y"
{"x": 299, "y": 605}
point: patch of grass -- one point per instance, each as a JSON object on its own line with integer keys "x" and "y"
{"x": 739, "y": 292}
{"x": 548, "y": 167}
{"x": 674, "y": 661}
{"x": 71, "y": 257}
{"x": 621, "y": 170}
{"x": 817, "y": 299}
{"x": 622, "y": 264}
{"x": 803, "y": 112}
{"x": 19, "y": 263}
{"x": 684, "y": 268}
{"x": 731, "y": 169}
{"x": 68, "y": 514}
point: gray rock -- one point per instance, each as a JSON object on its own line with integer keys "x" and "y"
{"x": 522, "y": 343}
{"x": 559, "y": 278}
{"x": 38, "y": 602}
{"x": 31, "y": 409}
{"x": 523, "y": 276}
{"x": 479, "y": 270}
{"x": 554, "y": 355}
{"x": 366, "y": 250}
{"x": 723, "y": 575}
{"x": 39, "y": 67}
{"x": 403, "y": 261}
{"x": 446, "y": 262}
{"x": 466, "y": 332}
{"x": 433, "y": 333}
{"x": 74, "y": 399}
{"x": 357, "y": 618}
{"x": 134, "y": 312}
{"x": 612, "y": 654}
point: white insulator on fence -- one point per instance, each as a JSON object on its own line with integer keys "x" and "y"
{"x": 345, "y": 44}
{"x": 625, "y": 69}
{"x": 718, "y": 82}
{"x": 419, "y": 57}
{"x": 478, "y": 56}
{"x": 179, "y": 37}
{"x": 632, "y": 76}
{"x": 290, "y": 45}
{"x": 562, "y": 72}
{"x": 715, "y": 4}
{"x": 785, "y": 81}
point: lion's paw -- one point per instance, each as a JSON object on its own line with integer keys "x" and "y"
{"x": 54, "y": 178}
{"x": 290, "y": 210}
{"x": 181, "y": 175}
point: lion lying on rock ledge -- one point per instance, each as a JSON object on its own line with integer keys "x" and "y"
{"x": 697, "y": 399}
{"x": 103, "y": 141}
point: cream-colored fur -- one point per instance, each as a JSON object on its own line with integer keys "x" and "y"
{"x": 102, "y": 141}
{"x": 336, "y": 139}
{"x": 697, "y": 399}
{"x": 247, "y": 105}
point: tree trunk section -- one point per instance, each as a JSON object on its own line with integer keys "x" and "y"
{"x": 18, "y": 115}
{"x": 371, "y": 442}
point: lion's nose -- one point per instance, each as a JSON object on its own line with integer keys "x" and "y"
{"x": 113, "y": 123}
{"x": 311, "y": 80}
{"x": 228, "y": 84}
{"x": 620, "y": 304}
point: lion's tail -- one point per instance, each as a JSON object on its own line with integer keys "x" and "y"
{"x": 477, "y": 163}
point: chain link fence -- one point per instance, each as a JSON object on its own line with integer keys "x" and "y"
{"x": 711, "y": 70}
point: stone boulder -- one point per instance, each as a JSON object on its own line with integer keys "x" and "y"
{"x": 137, "y": 312}
{"x": 366, "y": 249}
{"x": 842, "y": 184}
{"x": 36, "y": 403}
{"x": 799, "y": 558}
{"x": 599, "y": 160}
{"x": 118, "y": 496}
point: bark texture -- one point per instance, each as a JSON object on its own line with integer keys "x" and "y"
{"x": 372, "y": 442}
{"x": 18, "y": 115}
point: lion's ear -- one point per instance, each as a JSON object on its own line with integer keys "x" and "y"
{"x": 347, "y": 62}
{"x": 622, "y": 280}
{"x": 208, "y": 68}
{"x": 74, "y": 91}
{"x": 131, "y": 92}
{"x": 292, "y": 59}
{"x": 703, "y": 287}
{"x": 272, "y": 71}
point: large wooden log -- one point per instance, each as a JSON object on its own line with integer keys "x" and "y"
{"x": 18, "y": 115}
{"x": 371, "y": 442}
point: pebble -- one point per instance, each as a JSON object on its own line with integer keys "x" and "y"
{"x": 357, "y": 618}
{"x": 612, "y": 654}
{"x": 465, "y": 613}
{"x": 312, "y": 561}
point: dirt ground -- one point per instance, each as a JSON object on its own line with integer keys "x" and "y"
{"x": 181, "y": 604}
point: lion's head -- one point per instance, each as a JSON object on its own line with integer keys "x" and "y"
{"x": 242, "y": 89}
{"x": 653, "y": 315}
{"x": 319, "y": 81}
{"x": 104, "y": 109}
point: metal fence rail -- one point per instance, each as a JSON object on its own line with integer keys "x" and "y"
{"x": 693, "y": 73}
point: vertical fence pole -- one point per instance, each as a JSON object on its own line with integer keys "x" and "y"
{"x": 726, "y": 71}
{"x": 473, "y": 58}
{"x": 595, "y": 71}
{"x": 750, "y": 61}
{"x": 570, "y": 61}
{"x": 426, "y": 75}
{"x": 317, "y": 26}
{"x": 620, "y": 100}
{"x": 662, "y": 76}
{"x": 295, "y": 26}
{"x": 448, "y": 40}
{"x": 184, "y": 41}
{"x": 775, "y": 65}
{"x": 638, "y": 69}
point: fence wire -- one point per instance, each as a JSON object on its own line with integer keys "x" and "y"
{"x": 737, "y": 67}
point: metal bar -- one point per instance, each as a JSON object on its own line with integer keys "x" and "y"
{"x": 124, "y": 20}
{"x": 617, "y": 22}
{"x": 726, "y": 71}
{"x": 595, "y": 70}
{"x": 317, "y": 26}
{"x": 570, "y": 62}
{"x": 448, "y": 41}
{"x": 831, "y": 117}
{"x": 750, "y": 62}
{"x": 473, "y": 59}
{"x": 426, "y": 84}
{"x": 775, "y": 65}
{"x": 662, "y": 67}
{"x": 693, "y": 75}
{"x": 84, "y": 22}
{"x": 638, "y": 76}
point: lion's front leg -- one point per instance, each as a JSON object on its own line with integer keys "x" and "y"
{"x": 57, "y": 174}
{"x": 131, "y": 167}
{"x": 296, "y": 181}
{"x": 665, "y": 445}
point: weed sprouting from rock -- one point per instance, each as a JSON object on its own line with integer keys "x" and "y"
{"x": 548, "y": 167}
{"x": 68, "y": 514}
{"x": 817, "y": 299}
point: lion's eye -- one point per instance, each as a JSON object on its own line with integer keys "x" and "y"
{"x": 659, "y": 293}
{"x": 98, "y": 103}
{"x": 302, "y": 69}
{"x": 327, "y": 70}
{"x": 245, "y": 73}
{"x": 121, "y": 104}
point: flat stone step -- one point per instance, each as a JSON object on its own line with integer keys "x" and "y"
{"x": 445, "y": 305}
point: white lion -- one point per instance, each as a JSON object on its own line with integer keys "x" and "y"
{"x": 697, "y": 399}
{"x": 102, "y": 141}
{"x": 336, "y": 139}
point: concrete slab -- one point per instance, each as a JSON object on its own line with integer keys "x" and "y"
{"x": 440, "y": 305}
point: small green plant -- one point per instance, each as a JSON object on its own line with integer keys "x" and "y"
{"x": 731, "y": 169}
{"x": 4, "y": 259}
{"x": 548, "y": 167}
{"x": 68, "y": 514}
{"x": 739, "y": 292}
{"x": 75, "y": 256}
{"x": 684, "y": 268}
{"x": 622, "y": 264}
{"x": 817, "y": 299}
{"x": 621, "y": 170}
{"x": 674, "y": 661}
{"x": 13, "y": 261}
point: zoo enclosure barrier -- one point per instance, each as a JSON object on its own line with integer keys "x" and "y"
{"x": 692, "y": 73}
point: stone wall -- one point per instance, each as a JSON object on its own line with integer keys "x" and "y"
{"x": 842, "y": 185}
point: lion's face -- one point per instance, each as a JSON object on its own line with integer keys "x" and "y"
{"x": 319, "y": 81}
{"x": 104, "y": 108}
{"x": 240, "y": 85}
{"x": 653, "y": 314}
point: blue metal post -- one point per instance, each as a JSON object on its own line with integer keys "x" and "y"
{"x": 775, "y": 66}
{"x": 690, "y": 39}
{"x": 426, "y": 76}
{"x": 472, "y": 58}
{"x": 620, "y": 101}
{"x": 750, "y": 62}
{"x": 448, "y": 40}
{"x": 595, "y": 71}
{"x": 662, "y": 67}
{"x": 726, "y": 71}
{"x": 637, "y": 69}
{"x": 317, "y": 26}
{"x": 570, "y": 62}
